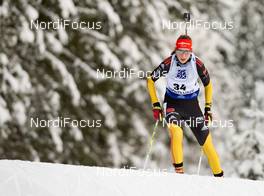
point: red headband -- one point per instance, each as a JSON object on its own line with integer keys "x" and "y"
{"x": 184, "y": 44}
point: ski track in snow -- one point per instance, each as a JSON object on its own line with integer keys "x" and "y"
{"x": 24, "y": 178}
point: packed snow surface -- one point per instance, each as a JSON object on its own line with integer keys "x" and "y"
{"x": 24, "y": 178}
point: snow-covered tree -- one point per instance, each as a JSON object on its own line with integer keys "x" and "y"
{"x": 52, "y": 73}
{"x": 247, "y": 144}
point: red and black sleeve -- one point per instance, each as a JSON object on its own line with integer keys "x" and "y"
{"x": 162, "y": 69}
{"x": 202, "y": 72}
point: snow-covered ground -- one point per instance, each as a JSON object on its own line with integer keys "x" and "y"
{"x": 23, "y": 178}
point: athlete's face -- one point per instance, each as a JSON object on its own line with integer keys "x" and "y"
{"x": 183, "y": 55}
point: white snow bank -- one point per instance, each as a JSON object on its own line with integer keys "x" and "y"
{"x": 21, "y": 178}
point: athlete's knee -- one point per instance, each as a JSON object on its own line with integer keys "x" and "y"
{"x": 208, "y": 142}
{"x": 175, "y": 130}
{"x": 199, "y": 129}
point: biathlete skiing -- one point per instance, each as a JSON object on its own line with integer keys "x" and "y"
{"x": 182, "y": 70}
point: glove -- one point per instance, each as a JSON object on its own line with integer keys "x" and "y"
{"x": 157, "y": 111}
{"x": 207, "y": 115}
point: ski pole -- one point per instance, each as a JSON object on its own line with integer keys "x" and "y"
{"x": 187, "y": 18}
{"x": 151, "y": 143}
{"x": 200, "y": 162}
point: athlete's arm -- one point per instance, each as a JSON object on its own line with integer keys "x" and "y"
{"x": 158, "y": 72}
{"x": 152, "y": 90}
{"x": 205, "y": 78}
{"x": 154, "y": 76}
{"x": 208, "y": 94}
{"x": 161, "y": 70}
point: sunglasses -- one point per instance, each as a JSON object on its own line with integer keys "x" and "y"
{"x": 181, "y": 52}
